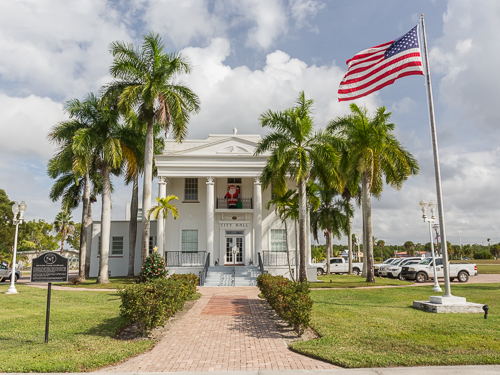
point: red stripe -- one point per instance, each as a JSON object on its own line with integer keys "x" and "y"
{"x": 390, "y": 82}
{"x": 378, "y": 69}
{"x": 386, "y": 74}
{"x": 374, "y": 58}
{"x": 358, "y": 56}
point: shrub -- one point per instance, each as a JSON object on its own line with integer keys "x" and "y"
{"x": 377, "y": 259}
{"x": 153, "y": 268}
{"x": 289, "y": 299}
{"x": 151, "y": 303}
{"x": 483, "y": 255}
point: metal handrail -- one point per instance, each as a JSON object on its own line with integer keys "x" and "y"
{"x": 185, "y": 259}
{"x": 246, "y": 203}
{"x": 205, "y": 270}
{"x": 261, "y": 265}
{"x": 278, "y": 258}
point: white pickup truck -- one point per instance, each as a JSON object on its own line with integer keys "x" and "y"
{"x": 424, "y": 270}
{"x": 339, "y": 265}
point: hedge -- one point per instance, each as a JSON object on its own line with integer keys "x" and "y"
{"x": 289, "y": 299}
{"x": 151, "y": 303}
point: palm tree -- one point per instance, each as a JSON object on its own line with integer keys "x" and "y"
{"x": 63, "y": 225}
{"x": 101, "y": 140}
{"x": 298, "y": 153}
{"x": 376, "y": 154}
{"x": 410, "y": 248}
{"x": 381, "y": 244}
{"x": 164, "y": 207}
{"x": 132, "y": 138}
{"x": 332, "y": 216}
{"x": 144, "y": 81}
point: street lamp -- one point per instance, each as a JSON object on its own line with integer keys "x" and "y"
{"x": 432, "y": 207}
{"x": 16, "y": 209}
{"x": 357, "y": 243}
{"x": 438, "y": 248}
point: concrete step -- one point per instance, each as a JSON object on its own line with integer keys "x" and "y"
{"x": 223, "y": 276}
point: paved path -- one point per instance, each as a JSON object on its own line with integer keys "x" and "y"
{"x": 228, "y": 329}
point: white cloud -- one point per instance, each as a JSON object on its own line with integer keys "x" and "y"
{"x": 25, "y": 123}
{"x": 237, "y": 96}
{"x": 302, "y": 9}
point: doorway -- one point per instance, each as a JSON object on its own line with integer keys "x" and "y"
{"x": 234, "y": 242}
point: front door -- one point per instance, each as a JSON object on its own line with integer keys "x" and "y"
{"x": 234, "y": 243}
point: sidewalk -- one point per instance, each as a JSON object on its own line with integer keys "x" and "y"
{"x": 228, "y": 329}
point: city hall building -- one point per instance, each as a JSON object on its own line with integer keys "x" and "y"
{"x": 223, "y": 213}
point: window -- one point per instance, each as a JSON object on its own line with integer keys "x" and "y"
{"x": 191, "y": 189}
{"x": 139, "y": 214}
{"x": 189, "y": 240}
{"x": 117, "y": 246}
{"x": 234, "y": 180}
{"x": 278, "y": 240}
{"x": 151, "y": 244}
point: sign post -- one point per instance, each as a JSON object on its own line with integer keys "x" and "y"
{"x": 48, "y": 268}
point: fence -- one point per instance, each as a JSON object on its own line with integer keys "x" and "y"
{"x": 185, "y": 259}
{"x": 277, "y": 258}
{"x": 245, "y": 203}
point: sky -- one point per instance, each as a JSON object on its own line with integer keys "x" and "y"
{"x": 249, "y": 56}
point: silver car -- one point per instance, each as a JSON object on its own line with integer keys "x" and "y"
{"x": 5, "y": 272}
{"x": 394, "y": 269}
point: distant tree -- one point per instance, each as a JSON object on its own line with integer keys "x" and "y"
{"x": 381, "y": 244}
{"x": 495, "y": 250}
{"x": 7, "y": 229}
{"x": 37, "y": 236}
{"x": 63, "y": 226}
{"x": 410, "y": 248}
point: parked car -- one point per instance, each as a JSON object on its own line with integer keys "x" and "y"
{"x": 339, "y": 265}
{"x": 394, "y": 270}
{"x": 376, "y": 267}
{"x": 5, "y": 272}
{"x": 383, "y": 270}
{"x": 424, "y": 270}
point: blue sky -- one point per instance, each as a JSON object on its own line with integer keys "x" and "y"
{"x": 252, "y": 55}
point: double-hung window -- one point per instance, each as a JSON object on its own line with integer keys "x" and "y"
{"x": 189, "y": 240}
{"x": 191, "y": 189}
{"x": 278, "y": 240}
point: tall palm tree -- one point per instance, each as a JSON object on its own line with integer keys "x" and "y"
{"x": 144, "y": 82}
{"x": 332, "y": 216}
{"x": 63, "y": 225}
{"x": 132, "y": 138}
{"x": 101, "y": 139}
{"x": 164, "y": 207}
{"x": 381, "y": 244}
{"x": 298, "y": 153}
{"x": 376, "y": 154}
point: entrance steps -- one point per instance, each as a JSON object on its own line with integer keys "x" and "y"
{"x": 223, "y": 276}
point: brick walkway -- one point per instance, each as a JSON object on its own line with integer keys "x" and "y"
{"x": 228, "y": 329}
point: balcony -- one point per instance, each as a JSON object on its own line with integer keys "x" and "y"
{"x": 242, "y": 204}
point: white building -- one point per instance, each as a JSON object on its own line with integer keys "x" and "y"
{"x": 212, "y": 223}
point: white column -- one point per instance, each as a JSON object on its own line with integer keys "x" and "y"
{"x": 160, "y": 224}
{"x": 308, "y": 239}
{"x": 210, "y": 217}
{"x": 257, "y": 217}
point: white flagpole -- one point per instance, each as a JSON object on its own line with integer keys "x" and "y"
{"x": 437, "y": 168}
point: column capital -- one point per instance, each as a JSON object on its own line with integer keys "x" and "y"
{"x": 210, "y": 180}
{"x": 162, "y": 180}
{"x": 257, "y": 181}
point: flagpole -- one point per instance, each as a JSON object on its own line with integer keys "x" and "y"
{"x": 437, "y": 168}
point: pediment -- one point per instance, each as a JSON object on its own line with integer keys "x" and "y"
{"x": 222, "y": 147}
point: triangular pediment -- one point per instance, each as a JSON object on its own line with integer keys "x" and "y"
{"x": 221, "y": 147}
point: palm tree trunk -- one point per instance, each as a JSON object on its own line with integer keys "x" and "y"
{"x": 368, "y": 237}
{"x": 83, "y": 234}
{"x": 302, "y": 230}
{"x": 363, "y": 273}
{"x": 132, "y": 231}
{"x": 146, "y": 194}
{"x": 105, "y": 226}
{"x": 349, "y": 244}
{"x": 288, "y": 253}
{"x": 328, "y": 251}
{"x": 89, "y": 250}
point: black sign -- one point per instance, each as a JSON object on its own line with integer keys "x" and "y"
{"x": 49, "y": 268}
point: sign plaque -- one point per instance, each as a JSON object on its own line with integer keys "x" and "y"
{"x": 49, "y": 268}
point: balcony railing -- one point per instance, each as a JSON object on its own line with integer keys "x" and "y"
{"x": 278, "y": 258}
{"x": 244, "y": 203}
{"x": 185, "y": 259}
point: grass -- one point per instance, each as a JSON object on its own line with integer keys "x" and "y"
{"x": 352, "y": 281}
{"x": 82, "y": 327}
{"x": 380, "y": 328}
{"x": 114, "y": 283}
{"x": 478, "y": 261}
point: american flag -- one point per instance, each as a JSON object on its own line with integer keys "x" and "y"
{"x": 380, "y": 66}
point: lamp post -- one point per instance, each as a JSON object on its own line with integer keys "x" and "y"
{"x": 432, "y": 206}
{"x": 460, "y": 236}
{"x": 436, "y": 228}
{"x": 16, "y": 208}
{"x": 357, "y": 243}
{"x": 235, "y": 251}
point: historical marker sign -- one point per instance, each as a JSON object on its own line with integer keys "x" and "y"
{"x": 49, "y": 268}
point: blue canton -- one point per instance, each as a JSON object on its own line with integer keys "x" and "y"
{"x": 407, "y": 41}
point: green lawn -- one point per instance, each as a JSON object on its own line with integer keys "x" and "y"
{"x": 352, "y": 281}
{"x": 82, "y": 327}
{"x": 114, "y": 283}
{"x": 380, "y": 328}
